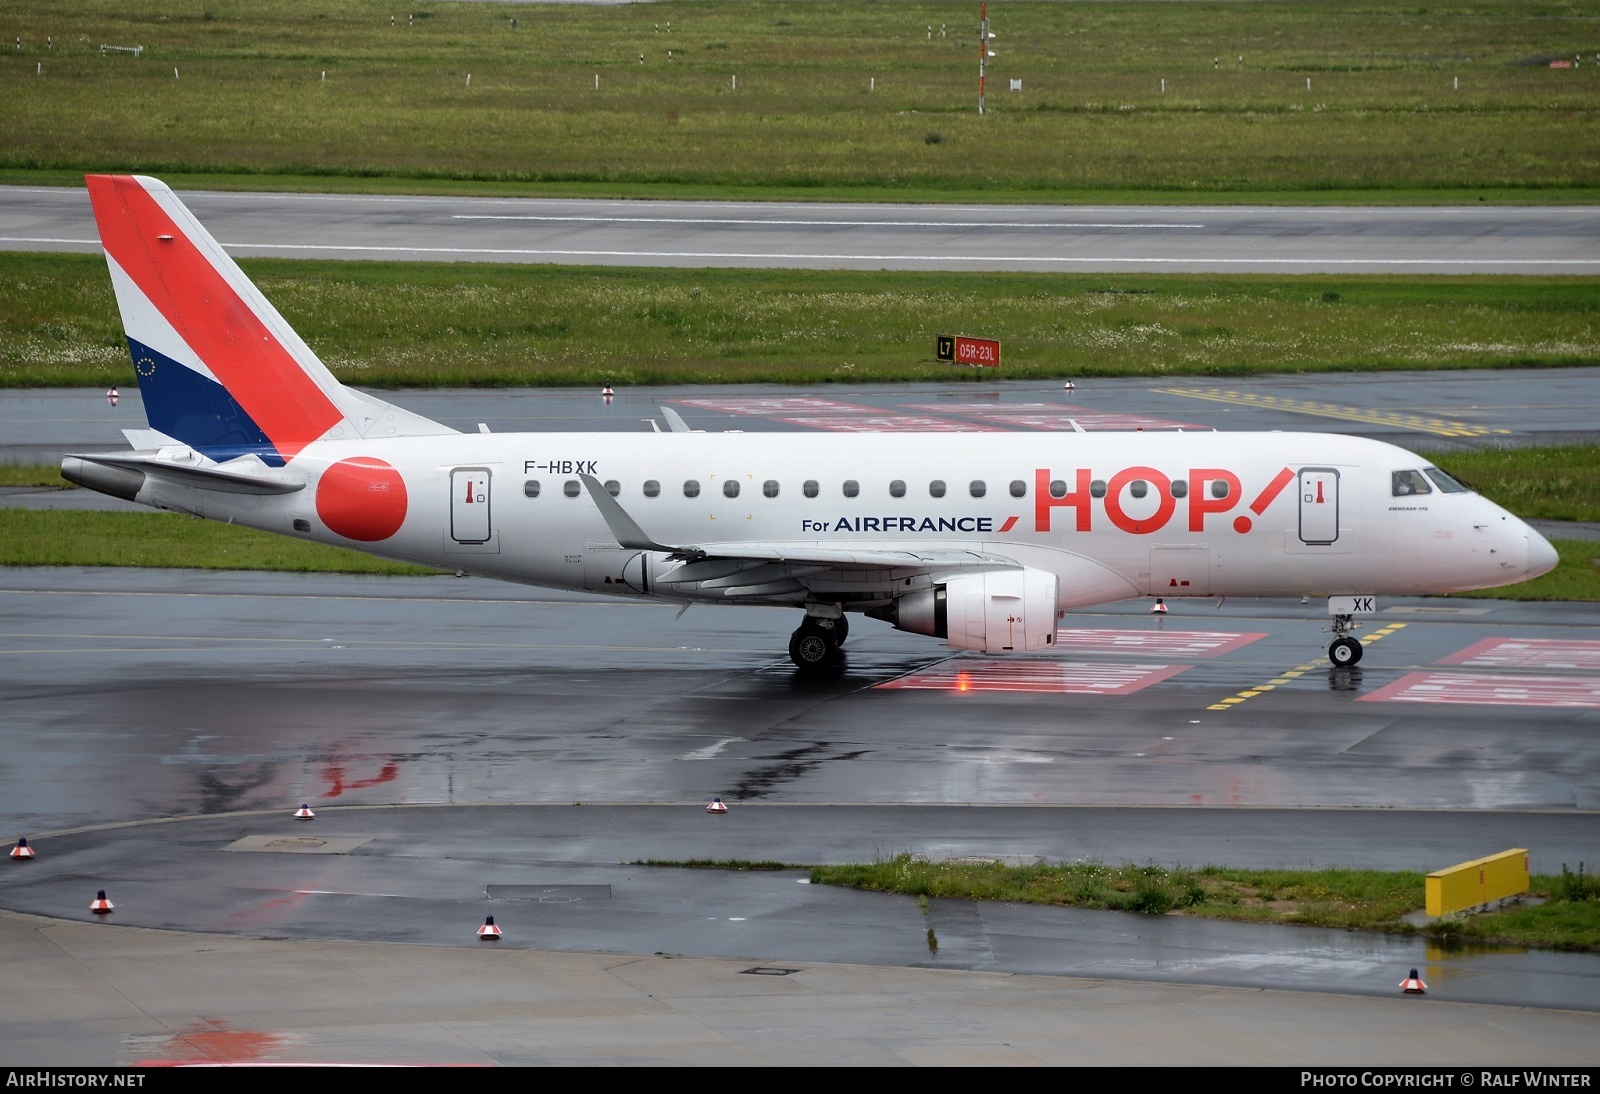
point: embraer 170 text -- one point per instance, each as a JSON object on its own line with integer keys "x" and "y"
{"x": 983, "y": 540}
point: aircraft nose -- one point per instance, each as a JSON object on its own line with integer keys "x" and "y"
{"x": 1542, "y": 557}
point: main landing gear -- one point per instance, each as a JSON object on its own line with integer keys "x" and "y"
{"x": 1344, "y": 651}
{"x": 815, "y": 644}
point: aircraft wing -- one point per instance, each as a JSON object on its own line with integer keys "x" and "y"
{"x": 778, "y": 568}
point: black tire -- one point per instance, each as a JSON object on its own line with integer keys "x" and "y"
{"x": 1345, "y": 652}
{"x": 811, "y": 649}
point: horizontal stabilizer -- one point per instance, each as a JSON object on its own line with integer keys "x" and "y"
{"x": 117, "y": 474}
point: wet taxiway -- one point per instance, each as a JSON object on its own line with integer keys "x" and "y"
{"x": 475, "y": 749}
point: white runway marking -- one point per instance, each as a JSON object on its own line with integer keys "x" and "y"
{"x": 711, "y": 750}
{"x": 823, "y": 223}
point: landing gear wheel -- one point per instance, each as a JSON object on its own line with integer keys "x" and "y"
{"x": 837, "y": 630}
{"x": 811, "y": 649}
{"x": 1345, "y": 652}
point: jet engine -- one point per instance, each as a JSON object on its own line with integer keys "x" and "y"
{"x": 997, "y": 612}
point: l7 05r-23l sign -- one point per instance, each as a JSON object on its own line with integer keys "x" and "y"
{"x": 962, "y": 350}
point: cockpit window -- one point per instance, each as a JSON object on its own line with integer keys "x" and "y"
{"x": 1407, "y": 483}
{"x": 1445, "y": 483}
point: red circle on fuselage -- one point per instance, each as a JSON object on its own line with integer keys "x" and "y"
{"x": 362, "y": 498}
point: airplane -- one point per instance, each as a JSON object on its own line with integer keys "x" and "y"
{"x": 984, "y": 540}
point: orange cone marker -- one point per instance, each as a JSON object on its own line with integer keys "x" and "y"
{"x": 1160, "y": 608}
{"x": 22, "y": 850}
{"x": 1413, "y": 985}
{"x": 716, "y": 806}
{"x": 304, "y": 813}
{"x": 488, "y": 930}
{"x": 100, "y": 905}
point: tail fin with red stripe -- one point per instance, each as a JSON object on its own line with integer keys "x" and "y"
{"x": 219, "y": 369}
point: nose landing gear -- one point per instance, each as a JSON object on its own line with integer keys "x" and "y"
{"x": 1344, "y": 651}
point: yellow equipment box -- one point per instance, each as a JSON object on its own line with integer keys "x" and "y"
{"x": 1478, "y": 882}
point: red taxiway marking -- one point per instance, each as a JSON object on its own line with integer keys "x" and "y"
{"x": 884, "y": 423}
{"x": 1055, "y": 417}
{"x": 761, "y": 407}
{"x": 1529, "y": 653}
{"x": 1070, "y": 677}
{"x": 1083, "y": 640}
{"x": 1488, "y": 689}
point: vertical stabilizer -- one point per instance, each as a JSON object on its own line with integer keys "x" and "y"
{"x": 219, "y": 369}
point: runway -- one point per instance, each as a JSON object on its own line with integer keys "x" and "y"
{"x": 1119, "y": 239}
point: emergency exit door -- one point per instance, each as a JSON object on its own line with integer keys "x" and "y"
{"x": 1319, "y": 505}
{"x": 469, "y": 505}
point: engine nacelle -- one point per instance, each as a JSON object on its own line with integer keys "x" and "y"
{"x": 1000, "y": 612}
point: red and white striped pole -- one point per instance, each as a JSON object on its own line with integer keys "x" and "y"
{"x": 983, "y": 47}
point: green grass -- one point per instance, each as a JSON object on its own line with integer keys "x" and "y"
{"x": 48, "y": 475}
{"x": 1369, "y": 900}
{"x": 1555, "y": 482}
{"x": 1576, "y": 576}
{"x": 384, "y": 324}
{"x": 67, "y": 538}
{"x": 1382, "y": 115}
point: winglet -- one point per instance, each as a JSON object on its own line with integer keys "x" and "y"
{"x": 675, "y": 422}
{"x": 626, "y": 530}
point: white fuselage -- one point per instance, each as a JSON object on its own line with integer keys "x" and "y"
{"x": 1130, "y": 514}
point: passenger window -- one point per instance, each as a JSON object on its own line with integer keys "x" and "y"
{"x": 1097, "y": 488}
{"x": 1019, "y": 489}
{"x": 1058, "y": 488}
{"x": 810, "y": 488}
{"x": 936, "y": 488}
{"x": 571, "y": 488}
{"x": 1138, "y": 488}
{"x": 851, "y": 488}
{"x": 1219, "y": 488}
{"x": 1447, "y": 484}
{"x": 530, "y": 489}
{"x": 651, "y": 488}
{"x": 613, "y": 487}
{"x": 1407, "y": 483}
{"x": 730, "y": 488}
{"x": 977, "y": 488}
{"x": 897, "y": 488}
{"x": 770, "y": 488}
{"x": 691, "y": 488}
{"x": 1180, "y": 488}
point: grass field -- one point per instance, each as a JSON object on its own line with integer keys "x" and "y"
{"x": 421, "y": 324}
{"x": 1563, "y": 914}
{"x": 1263, "y": 98}
{"x": 51, "y": 537}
